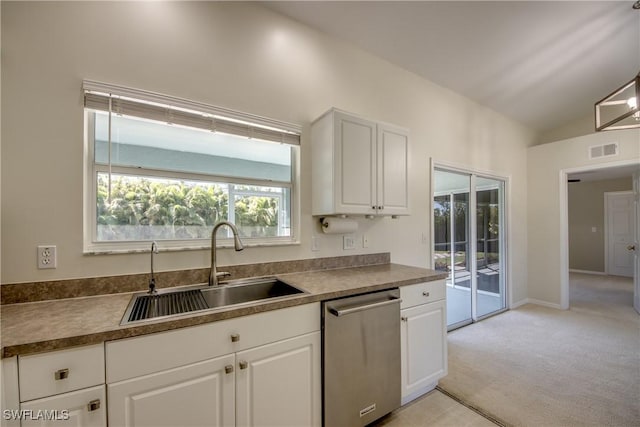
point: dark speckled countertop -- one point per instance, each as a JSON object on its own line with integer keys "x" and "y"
{"x": 35, "y": 327}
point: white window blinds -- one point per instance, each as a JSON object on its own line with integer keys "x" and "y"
{"x": 162, "y": 108}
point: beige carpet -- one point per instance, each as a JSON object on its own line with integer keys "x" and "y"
{"x": 537, "y": 366}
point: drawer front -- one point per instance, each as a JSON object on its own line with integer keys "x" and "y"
{"x": 61, "y": 371}
{"x": 422, "y": 293}
{"x": 133, "y": 357}
{"x": 86, "y": 408}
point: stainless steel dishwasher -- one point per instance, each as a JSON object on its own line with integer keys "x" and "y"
{"x": 361, "y": 358}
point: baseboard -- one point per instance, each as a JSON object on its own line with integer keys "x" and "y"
{"x": 518, "y": 303}
{"x": 536, "y": 302}
{"x": 599, "y": 273}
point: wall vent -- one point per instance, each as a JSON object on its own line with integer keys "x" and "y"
{"x": 606, "y": 150}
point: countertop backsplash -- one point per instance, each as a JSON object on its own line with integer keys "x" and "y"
{"x": 13, "y": 293}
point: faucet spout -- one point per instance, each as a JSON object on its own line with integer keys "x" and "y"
{"x": 238, "y": 246}
{"x": 152, "y": 279}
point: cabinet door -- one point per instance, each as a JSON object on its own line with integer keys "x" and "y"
{"x": 279, "y": 384}
{"x": 424, "y": 348}
{"x": 200, "y": 394}
{"x": 82, "y": 408}
{"x": 393, "y": 170}
{"x": 355, "y": 160}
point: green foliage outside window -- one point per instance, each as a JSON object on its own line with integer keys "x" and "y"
{"x": 142, "y": 209}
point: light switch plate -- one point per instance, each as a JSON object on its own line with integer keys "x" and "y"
{"x": 348, "y": 242}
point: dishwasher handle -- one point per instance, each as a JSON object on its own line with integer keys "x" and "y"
{"x": 343, "y": 312}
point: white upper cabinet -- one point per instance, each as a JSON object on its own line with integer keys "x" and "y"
{"x": 359, "y": 166}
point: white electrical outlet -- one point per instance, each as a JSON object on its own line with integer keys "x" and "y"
{"x": 365, "y": 241}
{"x": 348, "y": 242}
{"x": 47, "y": 256}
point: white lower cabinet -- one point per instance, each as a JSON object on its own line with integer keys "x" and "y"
{"x": 279, "y": 384}
{"x": 200, "y": 394}
{"x": 82, "y": 408}
{"x": 257, "y": 370}
{"x": 62, "y": 388}
{"x": 423, "y": 339}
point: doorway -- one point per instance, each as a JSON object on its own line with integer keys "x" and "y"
{"x": 605, "y": 171}
{"x": 469, "y": 243}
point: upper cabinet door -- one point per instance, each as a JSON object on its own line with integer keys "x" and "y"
{"x": 355, "y": 157}
{"x": 359, "y": 166}
{"x": 393, "y": 170}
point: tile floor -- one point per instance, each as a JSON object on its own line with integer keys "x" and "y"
{"x": 434, "y": 409}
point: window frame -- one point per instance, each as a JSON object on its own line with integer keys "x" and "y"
{"x": 92, "y": 168}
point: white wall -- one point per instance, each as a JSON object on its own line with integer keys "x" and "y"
{"x": 579, "y": 127}
{"x": 547, "y": 263}
{"x": 235, "y": 55}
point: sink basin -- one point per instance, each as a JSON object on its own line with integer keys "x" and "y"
{"x": 250, "y": 290}
{"x": 146, "y": 306}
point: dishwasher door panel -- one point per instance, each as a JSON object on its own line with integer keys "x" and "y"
{"x": 361, "y": 356}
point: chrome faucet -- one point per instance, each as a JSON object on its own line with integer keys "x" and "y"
{"x": 152, "y": 279}
{"x": 213, "y": 273}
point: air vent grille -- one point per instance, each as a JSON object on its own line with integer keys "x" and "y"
{"x": 605, "y": 150}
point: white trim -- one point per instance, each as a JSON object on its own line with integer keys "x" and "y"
{"x": 519, "y": 303}
{"x": 564, "y": 220}
{"x": 598, "y": 273}
{"x": 91, "y": 246}
{"x": 538, "y": 302}
{"x": 473, "y": 246}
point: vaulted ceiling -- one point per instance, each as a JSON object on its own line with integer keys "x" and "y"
{"x": 542, "y": 63}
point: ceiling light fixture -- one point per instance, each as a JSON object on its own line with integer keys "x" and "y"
{"x": 619, "y": 110}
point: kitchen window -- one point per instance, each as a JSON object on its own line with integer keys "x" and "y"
{"x": 167, "y": 169}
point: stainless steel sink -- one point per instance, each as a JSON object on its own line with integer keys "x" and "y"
{"x": 202, "y": 297}
{"x": 250, "y": 290}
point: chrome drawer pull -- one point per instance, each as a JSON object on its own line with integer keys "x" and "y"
{"x": 235, "y": 337}
{"x": 61, "y": 374}
{"x": 425, "y": 293}
{"x": 94, "y": 405}
{"x": 228, "y": 369}
{"x": 243, "y": 364}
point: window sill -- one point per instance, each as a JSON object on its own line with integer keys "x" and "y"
{"x": 145, "y": 247}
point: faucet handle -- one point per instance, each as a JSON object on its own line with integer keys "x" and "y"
{"x": 223, "y": 274}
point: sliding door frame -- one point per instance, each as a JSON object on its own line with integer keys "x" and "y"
{"x": 505, "y": 239}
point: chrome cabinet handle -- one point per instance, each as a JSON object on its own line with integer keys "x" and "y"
{"x": 631, "y": 247}
{"x": 228, "y": 369}
{"x": 404, "y": 319}
{"x": 235, "y": 337}
{"x": 243, "y": 364}
{"x": 61, "y": 374}
{"x": 425, "y": 293}
{"x": 94, "y": 405}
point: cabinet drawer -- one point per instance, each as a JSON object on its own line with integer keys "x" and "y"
{"x": 422, "y": 293}
{"x": 133, "y": 357}
{"x": 86, "y": 408}
{"x": 61, "y": 371}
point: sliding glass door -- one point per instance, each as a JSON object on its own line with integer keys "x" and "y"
{"x": 468, "y": 230}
